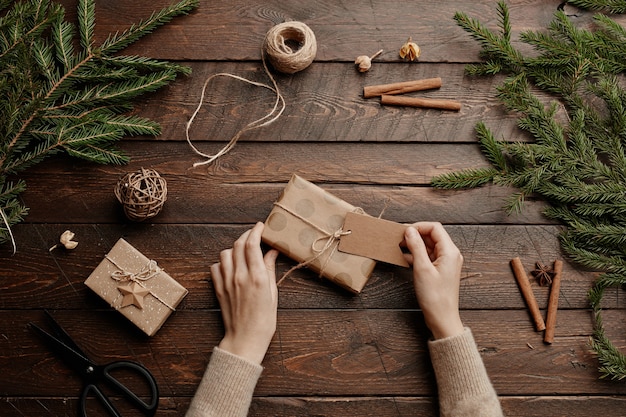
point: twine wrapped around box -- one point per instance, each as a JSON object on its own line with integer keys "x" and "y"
{"x": 136, "y": 286}
{"x": 306, "y": 225}
{"x": 142, "y": 194}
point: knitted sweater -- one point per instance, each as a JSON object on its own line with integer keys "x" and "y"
{"x": 464, "y": 388}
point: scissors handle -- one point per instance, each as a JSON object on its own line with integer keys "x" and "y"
{"x": 93, "y": 389}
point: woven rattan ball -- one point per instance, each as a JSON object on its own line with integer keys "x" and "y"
{"x": 142, "y": 194}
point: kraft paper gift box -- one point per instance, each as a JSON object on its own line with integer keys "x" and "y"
{"x": 136, "y": 287}
{"x": 305, "y": 224}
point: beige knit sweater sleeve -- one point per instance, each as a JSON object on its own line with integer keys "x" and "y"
{"x": 226, "y": 388}
{"x": 463, "y": 384}
{"x": 464, "y": 388}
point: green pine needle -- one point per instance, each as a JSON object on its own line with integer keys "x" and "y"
{"x": 610, "y": 6}
{"x": 576, "y": 159}
{"x": 62, "y": 93}
{"x": 470, "y": 178}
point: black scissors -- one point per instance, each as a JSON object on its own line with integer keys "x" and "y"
{"x": 96, "y": 376}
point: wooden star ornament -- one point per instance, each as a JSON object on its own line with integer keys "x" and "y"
{"x": 133, "y": 294}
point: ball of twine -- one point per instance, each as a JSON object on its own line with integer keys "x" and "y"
{"x": 142, "y": 194}
{"x": 290, "y": 46}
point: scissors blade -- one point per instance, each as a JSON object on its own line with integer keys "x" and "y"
{"x": 72, "y": 358}
{"x": 62, "y": 335}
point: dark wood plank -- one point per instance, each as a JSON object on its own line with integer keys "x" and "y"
{"x": 561, "y": 406}
{"x": 325, "y": 103}
{"x": 316, "y": 352}
{"x": 36, "y": 278}
{"x": 251, "y": 183}
{"x": 556, "y": 406}
{"x": 234, "y": 30}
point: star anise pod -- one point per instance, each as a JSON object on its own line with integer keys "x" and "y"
{"x": 543, "y": 274}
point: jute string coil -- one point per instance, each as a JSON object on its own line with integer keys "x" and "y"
{"x": 290, "y": 47}
{"x": 279, "y": 47}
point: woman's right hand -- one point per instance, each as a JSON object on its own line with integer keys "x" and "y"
{"x": 437, "y": 266}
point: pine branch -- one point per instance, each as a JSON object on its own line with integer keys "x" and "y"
{"x": 118, "y": 42}
{"x": 611, "y": 6}
{"x": 12, "y": 210}
{"x": 41, "y": 12}
{"x": 491, "y": 147}
{"x": 86, "y": 23}
{"x": 77, "y": 65}
{"x": 93, "y": 153}
{"x": 496, "y": 48}
{"x": 470, "y": 178}
{"x": 576, "y": 159}
{"x": 61, "y": 93}
{"x": 63, "y": 35}
{"x": 135, "y": 126}
{"x": 612, "y": 361}
{"x": 514, "y": 203}
{"x": 144, "y": 64}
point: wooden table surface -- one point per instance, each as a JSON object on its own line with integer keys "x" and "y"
{"x": 334, "y": 353}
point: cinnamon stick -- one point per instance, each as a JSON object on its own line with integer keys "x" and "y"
{"x": 428, "y": 103}
{"x": 402, "y": 87}
{"x": 553, "y": 302}
{"x": 527, "y": 293}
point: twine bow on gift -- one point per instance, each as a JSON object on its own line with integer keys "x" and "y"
{"x": 331, "y": 244}
{"x": 132, "y": 287}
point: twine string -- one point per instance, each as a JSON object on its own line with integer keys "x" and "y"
{"x": 142, "y": 194}
{"x": 331, "y": 243}
{"x": 6, "y": 223}
{"x": 282, "y": 56}
{"x": 149, "y": 271}
{"x": 284, "y": 59}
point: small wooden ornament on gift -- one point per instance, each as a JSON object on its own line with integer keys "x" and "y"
{"x": 136, "y": 287}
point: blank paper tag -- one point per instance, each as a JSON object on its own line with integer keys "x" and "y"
{"x": 373, "y": 238}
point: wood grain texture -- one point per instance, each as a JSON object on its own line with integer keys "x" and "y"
{"x": 324, "y": 103}
{"x": 234, "y": 30}
{"x": 240, "y": 188}
{"x": 334, "y": 353}
{"x": 315, "y": 352}
{"x": 54, "y": 280}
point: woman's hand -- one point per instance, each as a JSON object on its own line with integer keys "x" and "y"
{"x": 245, "y": 284}
{"x": 437, "y": 266}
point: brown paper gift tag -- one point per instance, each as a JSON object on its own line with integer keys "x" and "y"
{"x": 161, "y": 298}
{"x": 301, "y": 223}
{"x": 373, "y": 238}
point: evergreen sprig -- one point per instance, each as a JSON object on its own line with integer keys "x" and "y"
{"x": 59, "y": 92}
{"x": 610, "y": 6}
{"x": 576, "y": 160}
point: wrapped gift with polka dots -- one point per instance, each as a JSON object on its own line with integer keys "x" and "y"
{"x": 306, "y": 225}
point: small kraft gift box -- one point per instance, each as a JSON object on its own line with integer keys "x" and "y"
{"x": 136, "y": 287}
{"x": 306, "y": 225}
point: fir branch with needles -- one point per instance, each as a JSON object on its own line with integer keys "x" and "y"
{"x": 575, "y": 158}
{"x": 59, "y": 92}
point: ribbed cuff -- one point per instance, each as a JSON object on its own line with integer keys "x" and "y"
{"x": 459, "y": 368}
{"x": 227, "y": 386}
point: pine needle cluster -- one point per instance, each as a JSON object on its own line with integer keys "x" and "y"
{"x": 576, "y": 160}
{"x": 59, "y": 92}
